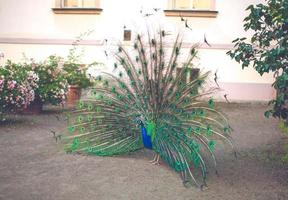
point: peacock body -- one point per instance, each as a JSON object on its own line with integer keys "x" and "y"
{"x": 148, "y": 102}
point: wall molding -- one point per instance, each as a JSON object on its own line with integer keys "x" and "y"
{"x": 48, "y": 41}
{"x": 57, "y": 41}
{"x": 191, "y": 13}
{"x": 82, "y": 11}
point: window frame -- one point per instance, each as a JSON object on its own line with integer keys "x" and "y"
{"x": 192, "y": 12}
{"x": 61, "y": 9}
{"x": 62, "y": 4}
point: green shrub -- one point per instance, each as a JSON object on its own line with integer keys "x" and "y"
{"x": 267, "y": 50}
{"x": 76, "y": 74}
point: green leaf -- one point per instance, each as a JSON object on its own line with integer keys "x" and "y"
{"x": 267, "y": 114}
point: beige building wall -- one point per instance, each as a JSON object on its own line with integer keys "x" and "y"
{"x": 32, "y": 28}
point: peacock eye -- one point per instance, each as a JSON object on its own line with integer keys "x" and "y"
{"x": 120, "y": 97}
{"x": 106, "y": 82}
{"x": 226, "y": 130}
{"x": 120, "y": 74}
{"x": 109, "y": 102}
{"x": 89, "y": 118}
{"x": 71, "y": 129}
{"x": 209, "y": 130}
{"x": 99, "y": 78}
{"x": 211, "y": 145}
{"x": 90, "y": 107}
{"x": 122, "y": 85}
{"x": 94, "y": 93}
{"x": 198, "y": 130}
{"x": 82, "y": 129}
{"x": 80, "y": 105}
{"x": 113, "y": 89}
{"x": 137, "y": 59}
{"x": 211, "y": 103}
{"x": 122, "y": 61}
{"x": 100, "y": 97}
{"x": 80, "y": 118}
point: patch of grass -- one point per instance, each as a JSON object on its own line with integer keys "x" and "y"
{"x": 285, "y": 157}
{"x": 283, "y": 127}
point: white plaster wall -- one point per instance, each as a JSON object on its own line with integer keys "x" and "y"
{"x": 34, "y": 18}
{"x": 30, "y": 19}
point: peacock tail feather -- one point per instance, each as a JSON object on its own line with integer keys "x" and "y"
{"x": 148, "y": 91}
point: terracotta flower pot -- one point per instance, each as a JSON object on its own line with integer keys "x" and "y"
{"x": 33, "y": 108}
{"x": 73, "y": 94}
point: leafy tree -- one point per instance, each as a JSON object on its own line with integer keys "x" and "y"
{"x": 267, "y": 49}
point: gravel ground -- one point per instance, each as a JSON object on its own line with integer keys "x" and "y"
{"x": 32, "y": 165}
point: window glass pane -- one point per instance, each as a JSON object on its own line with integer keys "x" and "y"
{"x": 183, "y": 4}
{"x": 203, "y": 4}
{"x": 90, "y": 3}
{"x": 71, "y": 3}
{"x": 192, "y": 4}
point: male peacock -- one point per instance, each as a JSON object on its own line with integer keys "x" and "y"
{"x": 147, "y": 104}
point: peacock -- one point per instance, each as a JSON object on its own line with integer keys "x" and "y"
{"x": 152, "y": 99}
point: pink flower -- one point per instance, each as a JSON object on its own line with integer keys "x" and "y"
{"x": 1, "y": 84}
{"x": 11, "y": 85}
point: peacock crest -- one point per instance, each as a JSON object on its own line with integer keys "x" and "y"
{"x": 152, "y": 99}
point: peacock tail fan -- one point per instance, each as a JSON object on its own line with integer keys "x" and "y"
{"x": 149, "y": 88}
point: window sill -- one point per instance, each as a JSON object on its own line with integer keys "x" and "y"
{"x": 191, "y": 13}
{"x": 87, "y": 11}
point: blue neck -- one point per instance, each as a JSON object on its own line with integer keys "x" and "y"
{"x": 146, "y": 139}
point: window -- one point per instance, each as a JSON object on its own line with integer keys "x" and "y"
{"x": 191, "y": 8}
{"x": 80, "y": 4}
{"x": 77, "y": 7}
{"x": 192, "y": 4}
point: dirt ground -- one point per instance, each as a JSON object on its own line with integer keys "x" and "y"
{"x": 33, "y": 166}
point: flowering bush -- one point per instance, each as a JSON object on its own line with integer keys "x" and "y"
{"x": 52, "y": 85}
{"x": 16, "y": 87}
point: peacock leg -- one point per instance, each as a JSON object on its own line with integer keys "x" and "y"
{"x": 156, "y": 162}
{"x": 154, "y": 158}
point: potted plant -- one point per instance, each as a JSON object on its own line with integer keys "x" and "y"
{"x": 76, "y": 76}
{"x": 17, "y": 86}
